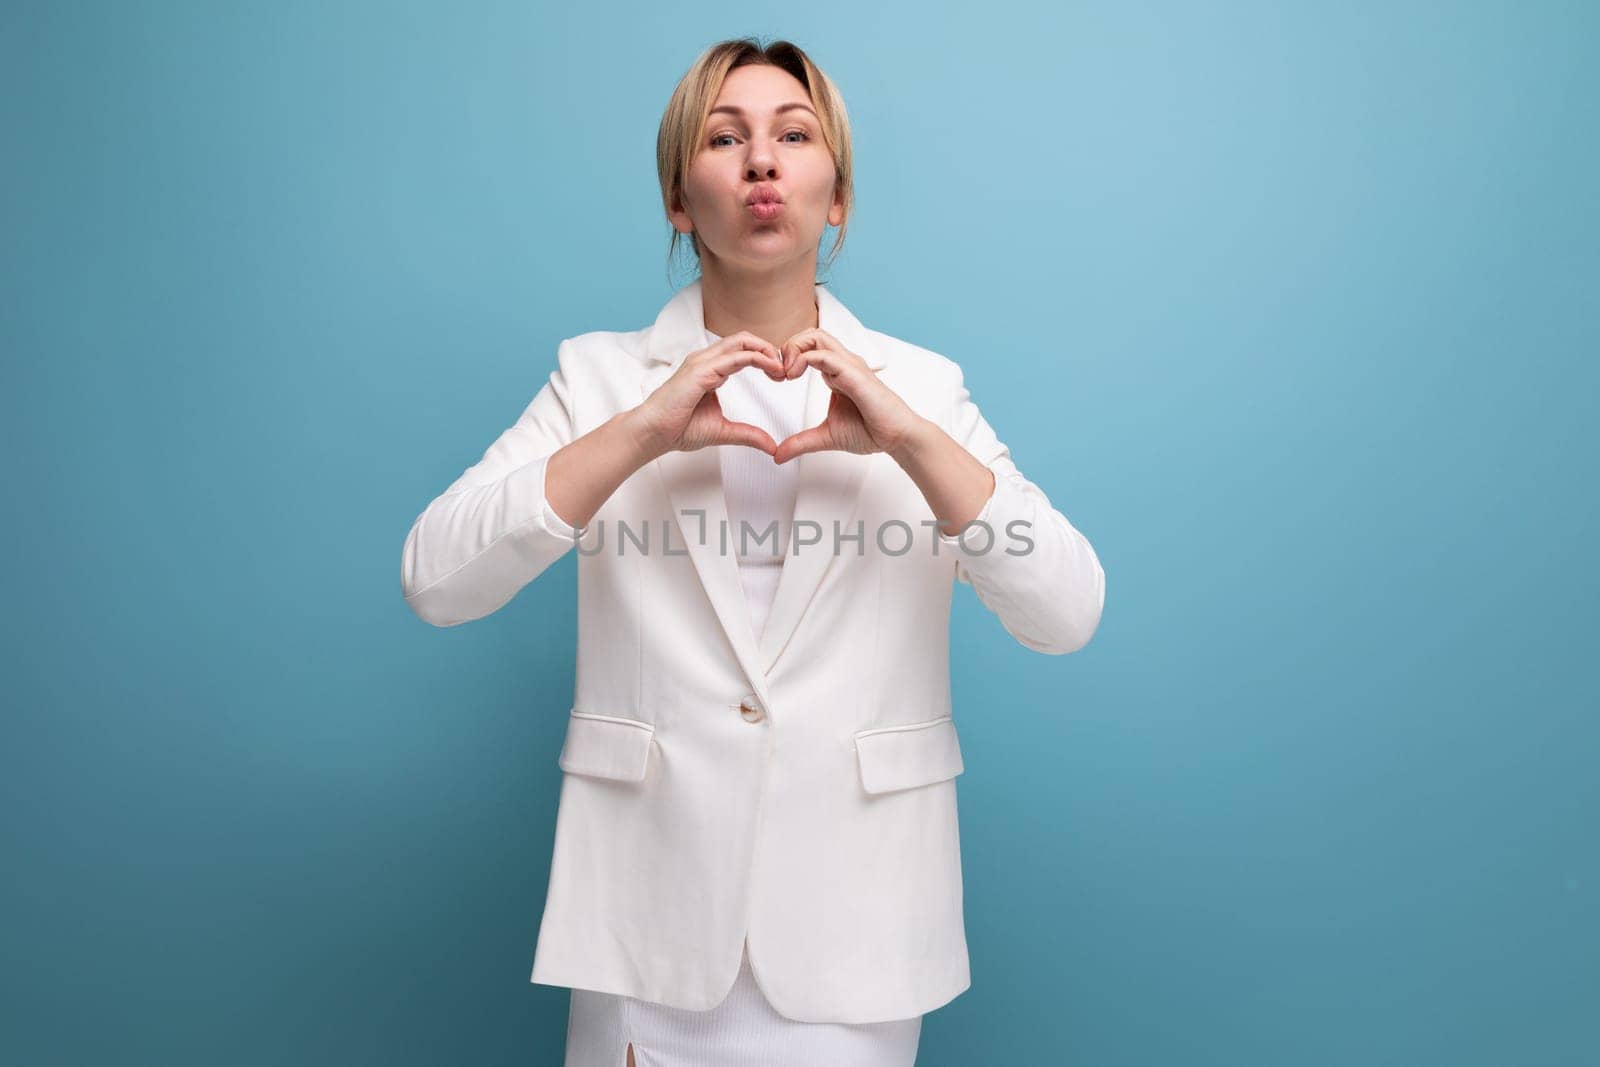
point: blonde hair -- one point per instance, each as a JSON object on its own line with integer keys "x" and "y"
{"x": 684, "y": 122}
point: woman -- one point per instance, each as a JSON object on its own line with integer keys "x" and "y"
{"x": 756, "y": 850}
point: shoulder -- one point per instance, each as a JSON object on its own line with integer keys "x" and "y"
{"x": 603, "y": 353}
{"x": 597, "y": 374}
{"x": 918, "y": 359}
{"x": 608, "y": 344}
{"x": 929, "y": 380}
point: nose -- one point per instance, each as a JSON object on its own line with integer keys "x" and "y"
{"x": 762, "y": 165}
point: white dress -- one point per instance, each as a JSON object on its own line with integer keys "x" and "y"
{"x": 744, "y": 1030}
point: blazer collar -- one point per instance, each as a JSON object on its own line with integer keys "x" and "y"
{"x": 829, "y": 486}
{"x": 680, "y": 327}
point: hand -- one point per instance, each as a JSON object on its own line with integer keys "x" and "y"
{"x": 864, "y": 415}
{"x": 683, "y": 414}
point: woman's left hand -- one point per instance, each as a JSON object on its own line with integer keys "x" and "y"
{"x": 864, "y": 415}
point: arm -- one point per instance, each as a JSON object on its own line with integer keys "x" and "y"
{"x": 500, "y": 525}
{"x": 1048, "y": 595}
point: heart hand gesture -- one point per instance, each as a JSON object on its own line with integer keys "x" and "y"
{"x": 864, "y": 415}
{"x": 683, "y": 415}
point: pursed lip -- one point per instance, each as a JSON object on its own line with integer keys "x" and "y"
{"x": 764, "y": 195}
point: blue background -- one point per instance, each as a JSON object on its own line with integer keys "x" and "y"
{"x": 1292, "y": 309}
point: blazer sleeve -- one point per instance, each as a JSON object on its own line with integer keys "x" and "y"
{"x": 1049, "y": 594}
{"x": 492, "y": 531}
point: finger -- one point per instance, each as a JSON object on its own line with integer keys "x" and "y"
{"x": 832, "y": 364}
{"x": 812, "y": 338}
{"x": 754, "y": 352}
{"x": 813, "y": 439}
{"x": 744, "y": 339}
{"x": 828, "y": 340}
{"x": 742, "y": 433}
{"x": 718, "y": 368}
{"x": 803, "y": 341}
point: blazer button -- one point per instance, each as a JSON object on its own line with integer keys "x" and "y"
{"x": 750, "y": 709}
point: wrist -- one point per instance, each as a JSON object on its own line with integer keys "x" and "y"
{"x": 644, "y": 445}
{"x": 914, "y": 440}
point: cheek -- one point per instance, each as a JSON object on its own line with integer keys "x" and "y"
{"x": 709, "y": 195}
{"x": 820, "y": 181}
{"x": 700, "y": 185}
{"x": 693, "y": 190}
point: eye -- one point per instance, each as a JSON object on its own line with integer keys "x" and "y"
{"x": 720, "y": 136}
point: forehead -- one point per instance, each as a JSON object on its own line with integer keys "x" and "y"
{"x": 759, "y": 89}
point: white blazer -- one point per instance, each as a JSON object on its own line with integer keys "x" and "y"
{"x": 797, "y": 789}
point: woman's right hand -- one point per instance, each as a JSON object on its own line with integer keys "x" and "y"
{"x": 683, "y": 415}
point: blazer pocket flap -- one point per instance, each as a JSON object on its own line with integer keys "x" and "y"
{"x": 605, "y": 746}
{"x": 899, "y": 757}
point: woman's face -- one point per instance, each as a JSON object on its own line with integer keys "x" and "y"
{"x": 750, "y": 144}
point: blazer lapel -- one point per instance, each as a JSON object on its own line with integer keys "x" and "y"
{"x": 829, "y": 484}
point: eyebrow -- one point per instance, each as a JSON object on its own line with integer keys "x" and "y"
{"x": 780, "y": 109}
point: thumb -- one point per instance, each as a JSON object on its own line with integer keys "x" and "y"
{"x": 742, "y": 433}
{"x": 814, "y": 439}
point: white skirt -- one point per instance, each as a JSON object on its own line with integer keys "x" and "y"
{"x": 745, "y": 1030}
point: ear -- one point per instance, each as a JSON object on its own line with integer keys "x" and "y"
{"x": 679, "y": 217}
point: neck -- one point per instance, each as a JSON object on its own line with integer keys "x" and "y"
{"x": 774, "y": 307}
